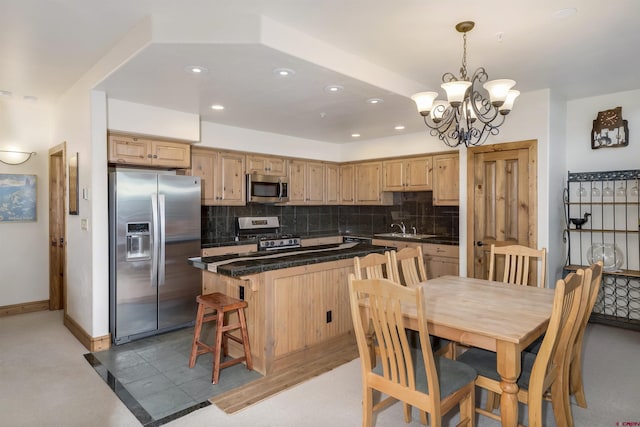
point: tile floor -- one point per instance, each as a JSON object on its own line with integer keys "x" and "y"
{"x": 152, "y": 376}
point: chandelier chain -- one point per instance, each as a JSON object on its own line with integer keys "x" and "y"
{"x": 463, "y": 69}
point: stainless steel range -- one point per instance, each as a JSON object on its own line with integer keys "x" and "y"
{"x": 267, "y": 230}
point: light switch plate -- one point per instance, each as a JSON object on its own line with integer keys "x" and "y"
{"x": 84, "y": 224}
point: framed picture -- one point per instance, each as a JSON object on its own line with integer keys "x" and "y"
{"x": 73, "y": 185}
{"x": 17, "y": 198}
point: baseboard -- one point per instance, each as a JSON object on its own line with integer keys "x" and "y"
{"x": 92, "y": 344}
{"x": 25, "y": 307}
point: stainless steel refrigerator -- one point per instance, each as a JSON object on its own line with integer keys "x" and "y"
{"x": 154, "y": 227}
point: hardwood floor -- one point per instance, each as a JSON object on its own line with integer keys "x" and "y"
{"x": 289, "y": 372}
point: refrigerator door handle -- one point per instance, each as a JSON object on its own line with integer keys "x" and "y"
{"x": 156, "y": 238}
{"x": 162, "y": 240}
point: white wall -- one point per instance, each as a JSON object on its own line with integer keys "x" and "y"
{"x": 580, "y": 116}
{"x": 24, "y": 248}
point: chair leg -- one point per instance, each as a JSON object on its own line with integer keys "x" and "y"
{"x": 575, "y": 381}
{"x": 367, "y": 407}
{"x": 467, "y": 408}
{"x": 407, "y": 412}
{"x": 558, "y": 404}
{"x": 245, "y": 339}
{"x": 196, "y": 336}
{"x": 218, "y": 346}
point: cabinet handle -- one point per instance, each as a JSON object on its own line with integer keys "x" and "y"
{"x": 438, "y": 250}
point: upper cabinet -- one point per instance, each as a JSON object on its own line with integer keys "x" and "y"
{"x": 266, "y": 165}
{"x": 368, "y": 185}
{"x": 331, "y": 184}
{"x": 222, "y": 175}
{"x": 347, "y": 190}
{"x": 446, "y": 179}
{"x": 409, "y": 174}
{"x": 306, "y": 182}
{"x": 138, "y": 151}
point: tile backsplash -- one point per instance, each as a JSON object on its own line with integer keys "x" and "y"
{"x": 415, "y": 209}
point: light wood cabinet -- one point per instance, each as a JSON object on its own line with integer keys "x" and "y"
{"x": 368, "y": 184}
{"x": 331, "y": 184}
{"x": 266, "y": 165}
{"x": 439, "y": 260}
{"x": 446, "y": 179}
{"x": 347, "y": 184}
{"x": 306, "y": 182}
{"x": 138, "y": 151}
{"x": 409, "y": 174}
{"x": 222, "y": 176}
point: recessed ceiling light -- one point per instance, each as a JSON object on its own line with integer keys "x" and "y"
{"x": 564, "y": 13}
{"x": 195, "y": 69}
{"x": 374, "y": 101}
{"x": 30, "y": 98}
{"x": 217, "y": 107}
{"x": 399, "y": 127}
{"x": 284, "y": 72}
{"x": 5, "y": 93}
{"x": 355, "y": 135}
{"x": 333, "y": 88}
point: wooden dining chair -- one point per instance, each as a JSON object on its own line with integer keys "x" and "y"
{"x": 374, "y": 266}
{"x": 548, "y": 370}
{"x": 576, "y": 387}
{"x": 408, "y": 265}
{"x": 517, "y": 264}
{"x": 409, "y": 270}
{"x": 434, "y": 385}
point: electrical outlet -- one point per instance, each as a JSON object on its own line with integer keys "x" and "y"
{"x": 84, "y": 224}
{"x": 329, "y": 316}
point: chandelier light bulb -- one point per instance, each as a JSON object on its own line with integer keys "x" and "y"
{"x": 424, "y": 101}
{"x": 456, "y": 91}
{"x": 498, "y": 90}
{"x": 506, "y": 107}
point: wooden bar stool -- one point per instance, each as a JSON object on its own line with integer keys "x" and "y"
{"x": 222, "y": 304}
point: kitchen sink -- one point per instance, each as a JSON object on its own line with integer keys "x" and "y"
{"x": 406, "y": 235}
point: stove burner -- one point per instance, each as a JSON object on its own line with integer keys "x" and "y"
{"x": 280, "y": 242}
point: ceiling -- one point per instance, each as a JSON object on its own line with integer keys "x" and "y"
{"x": 382, "y": 50}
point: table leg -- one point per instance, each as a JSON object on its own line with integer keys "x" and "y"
{"x": 509, "y": 367}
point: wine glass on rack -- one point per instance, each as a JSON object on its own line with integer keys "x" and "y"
{"x": 633, "y": 192}
{"x": 582, "y": 192}
{"x": 595, "y": 192}
{"x": 621, "y": 192}
{"x": 607, "y": 191}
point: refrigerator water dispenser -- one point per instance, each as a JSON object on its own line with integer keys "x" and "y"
{"x": 138, "y": 241}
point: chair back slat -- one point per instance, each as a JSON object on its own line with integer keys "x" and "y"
{"x": 517, "y": 264}
{"x": 374, "y": 266}
{"x": 409, "y": 266}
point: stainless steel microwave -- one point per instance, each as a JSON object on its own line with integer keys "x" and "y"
{"x": 267, "y": 188}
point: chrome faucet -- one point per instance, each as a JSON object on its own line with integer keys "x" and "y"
{"x": 415, "y": 231}
{"x": 401, "y": 227}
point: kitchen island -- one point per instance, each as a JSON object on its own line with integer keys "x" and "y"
{"x": 298, "y": 298}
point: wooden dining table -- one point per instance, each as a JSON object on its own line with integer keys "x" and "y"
{"x": 491, "y": 315}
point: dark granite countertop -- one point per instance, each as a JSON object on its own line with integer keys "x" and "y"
{"x": 237, "y": 265}
{"x": 229, "y": 241}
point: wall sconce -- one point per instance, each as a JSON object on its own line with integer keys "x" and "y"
{"x": 13, "y": 157}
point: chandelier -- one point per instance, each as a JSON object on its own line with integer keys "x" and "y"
{"x": 467, "y": 117}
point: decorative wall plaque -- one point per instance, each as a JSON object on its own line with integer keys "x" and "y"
{"x": 610, "y": 130}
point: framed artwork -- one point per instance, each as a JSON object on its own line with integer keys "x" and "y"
{"x": 73, "y": 185}
{"x": 17, "y": 198}
{"x": 610, "y": 130}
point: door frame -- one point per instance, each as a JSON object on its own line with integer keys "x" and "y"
{"x": 532, "y": 167}
{"x": 60, "y": 151}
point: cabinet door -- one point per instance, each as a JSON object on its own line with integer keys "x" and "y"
{"x": 446, "y": 179}
{"x": 129, "y": 150}
{"x": 230, "y": 179}
{"x": 315, "y": 183}
{"x": 418, "y": 173}
{"x": 437, "y": 267}
{"x": 266, "y": 165}
{"x": 297, "y": 179}
{"x": 203, "y": 164}
{"x": 170, "y": 154}
{"x": 369, "y": 185}
{"x": 394, "y": 175}
{"x": 347, "y": 185}
{"x": 332, "y": 184}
